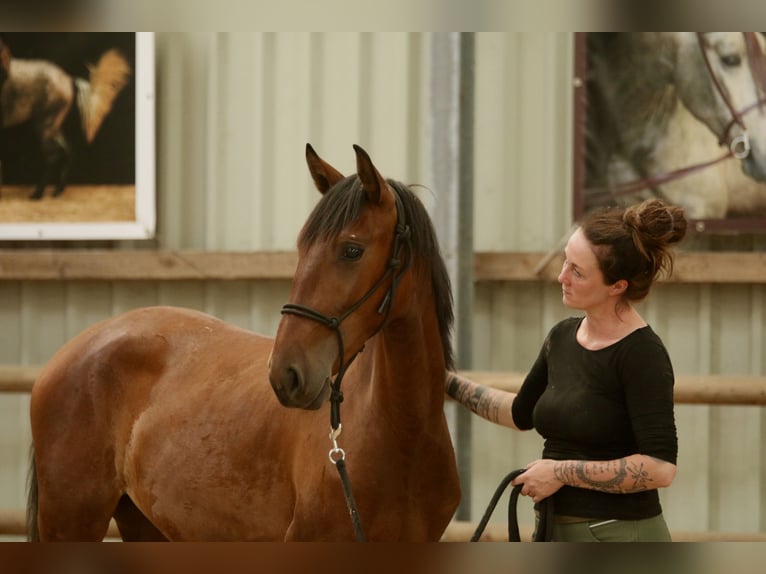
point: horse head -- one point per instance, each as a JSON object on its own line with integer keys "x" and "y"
{"x": 351, "y": 256}
{"x": 721, "y": 78}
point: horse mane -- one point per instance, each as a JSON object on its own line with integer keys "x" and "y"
{"x": 342, "y": 205}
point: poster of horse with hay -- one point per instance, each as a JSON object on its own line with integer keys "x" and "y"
{"x": 71, "y": 109}
{"x": 675, "y": 115}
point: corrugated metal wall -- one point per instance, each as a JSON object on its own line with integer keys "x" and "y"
{"x": 234, "y": 113}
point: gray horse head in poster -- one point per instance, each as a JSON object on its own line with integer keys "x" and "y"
{"x": 663, "y": 101}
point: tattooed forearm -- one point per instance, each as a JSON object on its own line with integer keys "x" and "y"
{"x": 640, "y": 476}
{"x": 616, "y": 476}
{"x": 475, "y": 397}
{"x": 485, "y": 402}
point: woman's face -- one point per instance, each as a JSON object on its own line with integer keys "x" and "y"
{"x": 582, "y": 282}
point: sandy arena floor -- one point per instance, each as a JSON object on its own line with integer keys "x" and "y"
{"x": 76, "y": 204}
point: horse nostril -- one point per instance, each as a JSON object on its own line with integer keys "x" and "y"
{"x": 293, "y": 382}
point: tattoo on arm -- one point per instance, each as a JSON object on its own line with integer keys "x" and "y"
{"x": 479, "y": 399}
{"x": 617, "y": 476}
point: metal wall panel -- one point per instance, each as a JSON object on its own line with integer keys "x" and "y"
{"x": 237, "y": 109}
{"x": 234, "y": 113}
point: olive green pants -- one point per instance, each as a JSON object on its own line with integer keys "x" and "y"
{"x": 647, "y": 530}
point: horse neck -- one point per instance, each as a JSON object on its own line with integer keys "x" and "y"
{"x": 636, "y": 85}
{"x": 406, "y": 365}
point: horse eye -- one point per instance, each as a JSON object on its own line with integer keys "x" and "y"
{"x": 731, "y": 60}
{"x": 352, "y": 252}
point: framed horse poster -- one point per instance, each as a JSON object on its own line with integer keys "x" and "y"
{"x": 77, "y": 136}
{"x": 680, "y": 116}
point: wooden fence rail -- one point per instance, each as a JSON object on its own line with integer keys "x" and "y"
{"x": 169, "y": 265}
{"x": 689, "y": 389}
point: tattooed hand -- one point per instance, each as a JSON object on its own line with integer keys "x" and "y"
{"x": 539, "y": 480}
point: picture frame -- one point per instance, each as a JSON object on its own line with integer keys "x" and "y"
{"x": 718, "y": 197}
{"x": 104, "y": 149}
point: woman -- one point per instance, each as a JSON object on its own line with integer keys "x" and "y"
{"x": 601, "y": 390}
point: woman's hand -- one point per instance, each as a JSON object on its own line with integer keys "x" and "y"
{"x": 539, "y": 480}
{"x": 633, "y": 473}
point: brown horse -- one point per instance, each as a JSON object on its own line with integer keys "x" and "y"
{"x": 163, "y": 418}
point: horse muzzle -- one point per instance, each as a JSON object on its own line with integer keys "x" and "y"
{"x": 294, "y": 390}
{"x": 754, "y": 165}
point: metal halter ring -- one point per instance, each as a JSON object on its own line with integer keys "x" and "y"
{"x": 336, "y": 453}
{"x": 740, "y": 146}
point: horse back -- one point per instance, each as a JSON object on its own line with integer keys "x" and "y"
{"x": 35, "y": 89}
{"x": 110, "y": 369}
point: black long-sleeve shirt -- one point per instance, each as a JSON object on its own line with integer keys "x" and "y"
{"x": 601, "y": 405}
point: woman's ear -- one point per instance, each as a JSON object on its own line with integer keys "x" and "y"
{"x": 619, "y": 287}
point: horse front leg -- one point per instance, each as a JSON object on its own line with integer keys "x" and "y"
{"x": 56, "y": 163}
{"x": 63, "y": 162}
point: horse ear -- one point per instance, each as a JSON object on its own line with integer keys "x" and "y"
{"x": 323, "y": 174}
{"x": 372, "y": 182}
{"x": 5, "y": 56}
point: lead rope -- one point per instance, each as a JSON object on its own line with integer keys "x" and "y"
{"x": 338, "y": 457}
{"x": 544, "y": 530}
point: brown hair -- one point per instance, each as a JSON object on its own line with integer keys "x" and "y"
{"x": 633, "y": 243}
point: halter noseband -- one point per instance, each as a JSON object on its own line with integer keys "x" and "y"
{"x": 402, "y": 235}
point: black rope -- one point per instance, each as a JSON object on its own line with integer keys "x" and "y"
{"x": 544, "y": 530}
{"x": 350, "y": 502}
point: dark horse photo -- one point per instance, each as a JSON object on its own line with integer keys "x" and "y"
{"x": 57, "y": 91}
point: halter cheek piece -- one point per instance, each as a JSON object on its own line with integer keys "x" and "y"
{"x": 395, "y": 270}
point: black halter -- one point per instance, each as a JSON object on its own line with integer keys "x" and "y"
{"x": 395, "y": 270}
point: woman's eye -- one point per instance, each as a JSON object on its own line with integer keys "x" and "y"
{"x": 352, "y": 252}
{"x": 731, "y": 60}
{"x": 574, "y": 270}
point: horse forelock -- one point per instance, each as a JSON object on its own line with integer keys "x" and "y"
{"x": 342, "y": 206}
